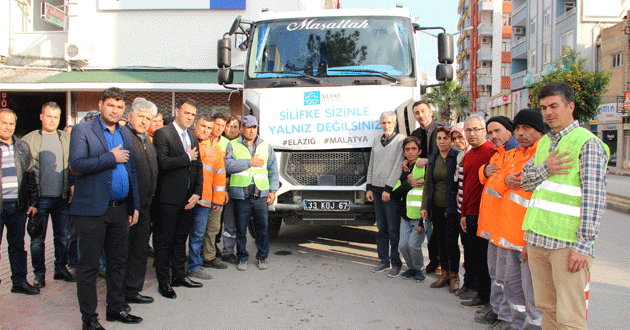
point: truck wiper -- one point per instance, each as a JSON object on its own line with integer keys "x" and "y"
{"x": 308, "y": 76}
{"x": 382, "y": 74}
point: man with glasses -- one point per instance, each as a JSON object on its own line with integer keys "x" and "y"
{"x": 480, "y": 153}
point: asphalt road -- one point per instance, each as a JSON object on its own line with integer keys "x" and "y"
{"x": 618, "y": 184}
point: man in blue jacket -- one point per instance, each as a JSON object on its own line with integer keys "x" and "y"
{"x": 104, "y": 204}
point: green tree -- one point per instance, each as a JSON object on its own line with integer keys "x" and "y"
{"x": 450, "y": 99}
{"x": 588, "y": 86}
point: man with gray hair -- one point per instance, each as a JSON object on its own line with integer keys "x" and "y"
{"x": 140, "y": 117}
{"x": 383, "y": 172}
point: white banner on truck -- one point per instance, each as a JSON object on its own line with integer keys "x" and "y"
{"x": 325, "y": 118}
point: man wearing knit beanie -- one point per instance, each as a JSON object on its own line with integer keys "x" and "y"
{"x": 531, "y": 117}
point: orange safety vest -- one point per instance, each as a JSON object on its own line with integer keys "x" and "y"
{"x": 491, "y": 197}
{"x": 213, "y": 174}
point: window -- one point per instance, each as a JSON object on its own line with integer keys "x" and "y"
{"x": 547, "y": 53}
{"x": 616, "y": 60}
{"x": 506, "y": 46}
{"x": 532, "y": 26}
{"x": 507, "y": 19}
{"x": 566, "y": 41}
{"x": 532, "y": 59}
{"x": 506, "y": 70}
{"x": 547, "y": 18}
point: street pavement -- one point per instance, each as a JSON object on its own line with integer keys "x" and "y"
{"x": 618, "y": 184}
{"x": 318, "y": 278}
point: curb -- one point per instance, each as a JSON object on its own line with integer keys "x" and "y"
{"x": 618, "y": 203}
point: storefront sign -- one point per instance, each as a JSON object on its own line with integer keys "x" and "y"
{"x": 626, "y": 102}
{"x": 608, "y": 113}
{"x": 169, "y": 4}
{"x": 53, "y": 15}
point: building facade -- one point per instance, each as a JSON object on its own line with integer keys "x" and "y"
{"x": 484, "y": 50}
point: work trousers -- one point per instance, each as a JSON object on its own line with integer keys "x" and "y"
{"x": 229, "y": 228}
{"x": 138, "y": 253}
{"x": 171, "y": 225}
{"x": 559, "y": 294}
{"x": 110, "y": 232}
{"x": 213, "y": 227}
{"x": 496, "y": 270}
{"x": 519, "y": 291}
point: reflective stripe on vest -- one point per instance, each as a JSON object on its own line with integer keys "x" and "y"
{"x": 260, "y": 175}
{"x": 555, "y": 205}
{"x": 493, "y": 193}
{"x": 520, "y": 200}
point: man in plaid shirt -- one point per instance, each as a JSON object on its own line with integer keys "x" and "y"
{"x": 568, "y": 177}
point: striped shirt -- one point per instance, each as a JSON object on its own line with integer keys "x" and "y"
{"x": 9, "y": 173}
{"x": 593, "y": 159}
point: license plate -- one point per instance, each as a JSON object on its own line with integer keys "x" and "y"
{"x": 326, "y": 205}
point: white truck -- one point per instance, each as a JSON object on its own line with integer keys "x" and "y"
{"x": 318, "y": 81}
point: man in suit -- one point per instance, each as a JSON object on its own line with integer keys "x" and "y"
{"x": 146, "y": 166}
{"x": 104, "y": 205}
{"x": 180, "y": 184}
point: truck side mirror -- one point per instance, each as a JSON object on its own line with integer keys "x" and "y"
{"x": 225, "y": 76}
{"x": 444, "y": 72}
{"x": 445, "y": 48}
{"x": 224, "y": 53}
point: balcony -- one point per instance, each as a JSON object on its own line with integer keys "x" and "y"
{"x": 484, "y": 80}
{"x": 484, "y": 54}
{"x": 566, "y": 15}
{"x": 519, "y": 48}
{"x": 486, "y": 5}
{"x": 484, "y": 30}
{"x": 519, "y": 16}
{"x": 517, "y": 80}
{"x": 484, "y": 71}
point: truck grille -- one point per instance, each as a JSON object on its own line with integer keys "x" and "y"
{"x": 348, "y": 168}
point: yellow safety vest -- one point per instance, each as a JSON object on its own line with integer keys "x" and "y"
{"x": 555, "y": 205}
{"x": 260, "y": 175}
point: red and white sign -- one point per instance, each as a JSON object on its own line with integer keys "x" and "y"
{"x": 4, "y": 100}
{"x": 626, "y": 103}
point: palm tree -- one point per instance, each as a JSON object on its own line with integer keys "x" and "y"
{"x": 450, "y": 99}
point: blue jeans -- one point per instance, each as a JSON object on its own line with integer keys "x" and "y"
{"x": 57, "y": 208}
{"x": 244, "y": 210}
{"x": 195, "y": 238}
{"x": 15, "y": 221}
{"x": 388, "y": 224}
{"x": 410, "y": 244}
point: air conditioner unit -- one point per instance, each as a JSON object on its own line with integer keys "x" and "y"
{"x": 519, "y": 30}
{"x": 77, "y": 52}
{"x": 485, "y": 64}
{"x": 485, "y": 40}
{"x": 568, "y": 6}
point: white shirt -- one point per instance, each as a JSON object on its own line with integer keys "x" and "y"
{"x": 186, "y": 142}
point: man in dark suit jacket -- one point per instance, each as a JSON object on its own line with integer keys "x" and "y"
{"x": 180, "y": 184}
{"x": 105, "y": 203}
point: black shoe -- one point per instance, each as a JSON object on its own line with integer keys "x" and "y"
{"x": 214, "y": 263}
{"x": 25, "y": 288}
{"x": 39, "y": 281}
{"x": 474, "y": 303}
{"x": 167, "y": 291}
{"x": 187, "y": 282}
{"x": 230, "y": 258}
{"x": 127, "y": 309}
{"x": 468, "y": 295}
{"x": 486, "y": 318}
{"x": 461, "y": 291}
{"x": 65, "y": 275}
{"x": 92, "y": 325}
{"x": 139, "y": 299}
{"x": 123, "y": 317}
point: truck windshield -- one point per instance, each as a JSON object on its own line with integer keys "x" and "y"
{"x": 332, "y": 46}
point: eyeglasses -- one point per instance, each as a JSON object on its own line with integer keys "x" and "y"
{"x": 474, "y": 129}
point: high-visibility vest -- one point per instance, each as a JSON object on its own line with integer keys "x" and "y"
{"x": 554, "y": 208}
{"x": 508, "y": 233}
{"x": 223, "y": 143}
{"x": 213, "y": 174}
{"x": 491, "y": 197}
{"x": 414, "y": 196}
{"x": 260, "y": 175}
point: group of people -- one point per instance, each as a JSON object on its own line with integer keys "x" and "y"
{"x": 110, "y": 184}
{"x": 526, "y": 197}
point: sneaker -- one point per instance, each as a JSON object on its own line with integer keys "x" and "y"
{"x": 242, "y": 265}
{"x": 420, "y": 276}
{"x": 501, "y": 325}
{"x": 201, "y": 274}
{"x": 230, "y": 259}
{"x": 380, "y": 268}
{"x": 262, "y": 264}
{"x": 486, "y": 318}
{"x": 214, "y": 263}
{"x": 409, "y": 274}
{"x": 394, "y": 272}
